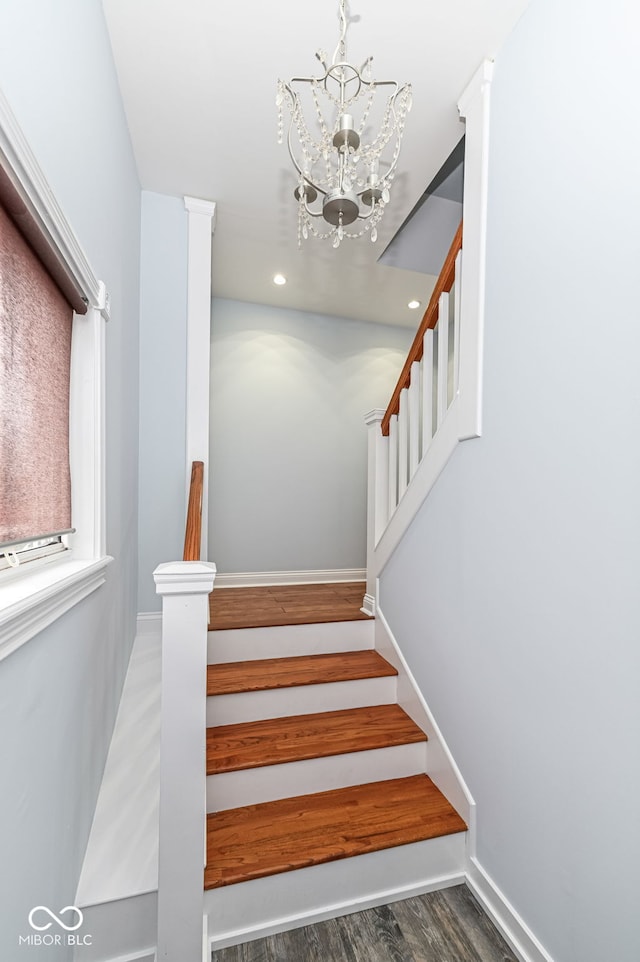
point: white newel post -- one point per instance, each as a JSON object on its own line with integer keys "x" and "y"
{"x": 201, "y": 215}
{"x": 185, "y": 587}
{"x": 377, "y": 498}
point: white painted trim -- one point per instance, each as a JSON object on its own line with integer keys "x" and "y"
{"x": 251, "y": 579}
{"x": 35, "y": 601}
{"x": 87, "y": 434}
{"x": 474, "y": 109}
{"x": 441, "y": 765}
{"x": 19, "y": 158}
{"x": 149, "y": 623}
{"x": 338, "y": 909}
{"x": 146, "y": 955}
{"x": 36, "y": 597}
{"x": 369, "y": 605}
{"x": 201, "y": 222}
{"x": 509, "y": 923}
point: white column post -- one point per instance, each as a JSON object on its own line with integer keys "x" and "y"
{"x": 201, "y": 225}
{"x": 377, "y": 498}
{"x": 474, "y": 109}
{"x": 185, "y": 587}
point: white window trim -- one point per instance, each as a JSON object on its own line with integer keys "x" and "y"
{"x": 32, "y": 599}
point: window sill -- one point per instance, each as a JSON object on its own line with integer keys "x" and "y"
{"x": 34, "y": 600}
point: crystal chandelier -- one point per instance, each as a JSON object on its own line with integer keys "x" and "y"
{"x": 344, "y": 142}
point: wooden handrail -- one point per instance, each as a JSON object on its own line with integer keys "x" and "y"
{"x": 193, "y": 529}
{"x": 430, "y": 319}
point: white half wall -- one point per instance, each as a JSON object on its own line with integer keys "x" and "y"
{"x": 514, "y": 595}
{"x": 289, "y": 391}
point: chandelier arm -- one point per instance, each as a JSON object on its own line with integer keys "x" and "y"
{"x": 294, "y": 160}
{"x": 341, "y": 49}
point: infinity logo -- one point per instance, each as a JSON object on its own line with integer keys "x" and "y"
{"x": 56, "y": 918}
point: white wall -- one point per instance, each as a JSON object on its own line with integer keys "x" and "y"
{"x": 515, "y": 593}
{"x": 289, "y": 391}
{"x": 163, "y": 371}
{"x": 59, "y": 692}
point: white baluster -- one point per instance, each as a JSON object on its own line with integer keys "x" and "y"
{"x": 456, "y": 324}
{"x": 393, "y": 463}
{"x": 427, "y": 390}
{"x": 377, "y": 498}
{"x": 414, "y": 419}
{"x": 443, "y": 356}
{"x": 403, "y": 443}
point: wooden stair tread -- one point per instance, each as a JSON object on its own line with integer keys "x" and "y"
{"x": 275, "y": 741}
{"x": 279, "y": 605}
{"x": 292, "y": 833}
{"x": 269, "y": 673}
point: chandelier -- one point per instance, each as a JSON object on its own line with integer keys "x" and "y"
{"x": 344, "y": 141}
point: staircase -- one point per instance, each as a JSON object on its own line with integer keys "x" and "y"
{"x": 318, "y": 799}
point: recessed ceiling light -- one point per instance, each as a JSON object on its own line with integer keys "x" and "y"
{"x": 279, "y": 279}
{"x": 413, "y": 305}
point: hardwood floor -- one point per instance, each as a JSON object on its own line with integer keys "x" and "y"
{"x": 285, "y": 605}
{"x": 444, "y": 926}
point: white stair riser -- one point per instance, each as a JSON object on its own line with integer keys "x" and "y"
{"x": 254, "y": 785}
{"x": 251, "y": 910}
{"x": 247, "y": 644}
{"x": 300, "y": 700}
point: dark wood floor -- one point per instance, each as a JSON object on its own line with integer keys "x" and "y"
{"x": 444, "y": 926}
{"x": 285, "y": 605}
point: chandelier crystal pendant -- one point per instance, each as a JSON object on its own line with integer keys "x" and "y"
{"x": 344, "y": 141}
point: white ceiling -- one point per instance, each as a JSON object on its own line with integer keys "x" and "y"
{"x": 198, "y": 80}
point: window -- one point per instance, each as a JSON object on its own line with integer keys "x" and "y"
{"x": 70, "y": 565}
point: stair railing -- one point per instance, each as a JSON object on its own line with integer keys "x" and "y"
{"x": 193, "y": 527}
{"x": 185, "y": 587}
{"x": 406, "y": 436}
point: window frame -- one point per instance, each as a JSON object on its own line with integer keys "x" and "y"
{"x": 33, "y": 596}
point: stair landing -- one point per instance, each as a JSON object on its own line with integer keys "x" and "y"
{"x": 275, "y": 605}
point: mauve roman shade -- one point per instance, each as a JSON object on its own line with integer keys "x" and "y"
{"x": 36, "y": 314}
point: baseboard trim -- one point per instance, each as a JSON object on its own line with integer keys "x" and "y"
{"x": 369, "y": 606}
{"x": 441, "y": 767}
{"x": 509, "y": 923}
{"x": 149, "y": 623}
{"x": 148, "y": 955}
{"x": 287, "y": 923}
{"x": 255, "y": 579}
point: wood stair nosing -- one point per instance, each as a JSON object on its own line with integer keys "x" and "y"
{"x": 271, "y": 673}
{"x": 292, "y": 833}
{"x": 299, "y": 737}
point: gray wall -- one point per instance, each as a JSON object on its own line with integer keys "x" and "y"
{"x": 59, "y": 692}
{"x": 289, "y": 391}
{"x": 163, "y": 371}
{"x": 515, "y": 593}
